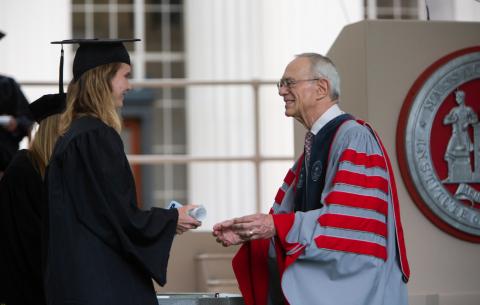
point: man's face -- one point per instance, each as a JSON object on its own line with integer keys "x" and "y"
{"x": 299, "y": 89}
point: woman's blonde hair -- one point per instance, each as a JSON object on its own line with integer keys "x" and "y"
{"x": 92, "y": 95}
{"x": 43, "y": 143}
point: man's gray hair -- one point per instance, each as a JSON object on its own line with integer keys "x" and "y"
{"x": 322, "y": 66}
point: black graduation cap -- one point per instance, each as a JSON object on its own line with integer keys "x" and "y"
{"x": 2, "y": 34}
{"x": 48, "y": 105}
{"x": 93, "y": 53}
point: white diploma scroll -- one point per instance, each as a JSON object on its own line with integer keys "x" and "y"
{"x": 5, "y": 120}
{"x": 199, "y": 213}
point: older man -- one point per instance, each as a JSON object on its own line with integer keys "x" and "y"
{"x": 333, "y": 235}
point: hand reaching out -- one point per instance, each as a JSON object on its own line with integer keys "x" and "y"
{"x": 225, "y": 235}
{"x": 255, "y": 226}
{"x": 242, "y": 229}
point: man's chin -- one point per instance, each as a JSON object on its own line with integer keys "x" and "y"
{"x": 289, "y": 113}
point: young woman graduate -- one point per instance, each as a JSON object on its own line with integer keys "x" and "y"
{"x": 21, "y": 208}
{"x": 101, "y": 248}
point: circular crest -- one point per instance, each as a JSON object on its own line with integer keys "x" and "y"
{"x": 316, "y": 170}
{"x": 438, "y": 143}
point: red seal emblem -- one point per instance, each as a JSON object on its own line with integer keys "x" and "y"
{"x": 438, "y": 143}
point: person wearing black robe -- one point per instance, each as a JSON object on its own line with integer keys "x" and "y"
{"x": 16, "y": 120}
{"x": 102, "y": 249}
{"x": 21, "y": 193}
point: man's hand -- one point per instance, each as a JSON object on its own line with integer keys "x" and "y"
{"x": 185, "y": 221}
{"x": 239, "y": 230}
{"x": 225, "y": 235}
{"x": 256, "y": 226}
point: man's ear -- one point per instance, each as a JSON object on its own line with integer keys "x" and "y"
{"x": 323, "y": 87}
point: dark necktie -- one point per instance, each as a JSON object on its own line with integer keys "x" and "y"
{"x": 308, "y": 146}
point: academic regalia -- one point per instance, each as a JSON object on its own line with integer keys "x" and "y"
{"x": 13, "y": 103}
{"x": 307, "y": 196}
{"x": 341, "y": 245}
{"x": 20, "y": 232}
{"x": 101, "y": 249}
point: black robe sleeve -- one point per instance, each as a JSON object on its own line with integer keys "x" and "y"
{"x": 92, "y": 202}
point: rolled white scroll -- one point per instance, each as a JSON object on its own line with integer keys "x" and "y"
{"x": 199, "y": 213}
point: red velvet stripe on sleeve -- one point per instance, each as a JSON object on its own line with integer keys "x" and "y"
{"x": 354, "y": 223}
{"x": 357, "y": 201}
{"x": 279, "y": 196}
{"x": 359, "y": 158}
{"x": 361, "y": 180}
{"x": 351, "y": 246}
{"x": 289, "y": 177}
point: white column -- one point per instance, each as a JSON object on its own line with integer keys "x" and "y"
{"x": 219, "y": 119}
{"x": 289, "y": 28}
{"x": 249, "y": 39}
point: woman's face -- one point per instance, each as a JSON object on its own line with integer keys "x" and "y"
{"x": 121, "y": 84}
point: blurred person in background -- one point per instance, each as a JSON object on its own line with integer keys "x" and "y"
{"x": 22, "y": 208}
{"x": 15, "y": 120}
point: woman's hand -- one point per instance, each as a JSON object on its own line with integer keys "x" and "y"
{"x": 185, "y": 221}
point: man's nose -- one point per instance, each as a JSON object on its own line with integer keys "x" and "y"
{"x": 283, "y": 90}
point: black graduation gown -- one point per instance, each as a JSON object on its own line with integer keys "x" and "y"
{"x": 101, "y": 248}
{"x": 20, "y": 232}
{"x": 14, "y": 103}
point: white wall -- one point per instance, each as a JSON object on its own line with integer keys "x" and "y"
{"x": 26, "y": 53}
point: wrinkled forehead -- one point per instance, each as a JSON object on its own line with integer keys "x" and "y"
{"x": 297, "y": 68}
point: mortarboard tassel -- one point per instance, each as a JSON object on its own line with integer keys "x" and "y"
{"x": 60, "y": 81}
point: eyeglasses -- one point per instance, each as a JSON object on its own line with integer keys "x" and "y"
{"x": 290, "y": 83}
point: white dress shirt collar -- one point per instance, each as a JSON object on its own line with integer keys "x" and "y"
{"x": 329, "y": 115}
